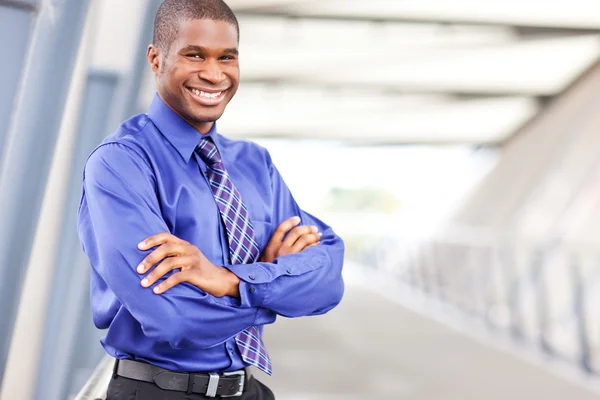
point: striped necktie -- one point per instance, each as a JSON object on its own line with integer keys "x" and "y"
{"x": 242, "y": 245}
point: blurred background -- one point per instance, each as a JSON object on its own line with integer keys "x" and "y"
{"x": 453, "y": 144}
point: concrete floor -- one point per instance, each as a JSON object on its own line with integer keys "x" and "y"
{"x": 370, "y": 348}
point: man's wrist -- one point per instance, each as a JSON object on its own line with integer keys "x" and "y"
{"x": 233, "y": 284}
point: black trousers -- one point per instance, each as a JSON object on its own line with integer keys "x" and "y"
{"x": 127, "y": 389}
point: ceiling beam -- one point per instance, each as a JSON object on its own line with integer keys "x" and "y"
{"x": 537, "y": 67}
{"x": 349, "y": 119}
{"x": 20, "y": 5}
{"x": 257, "y": 5}
{"x": 387, "y": 89}
{"x": 281, "y": 12}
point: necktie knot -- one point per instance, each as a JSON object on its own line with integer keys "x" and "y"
{"x": 208, "y": 151}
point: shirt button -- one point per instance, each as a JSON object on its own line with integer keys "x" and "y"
{"x": 252, "y": 289}
{"x": 251, "y": 277}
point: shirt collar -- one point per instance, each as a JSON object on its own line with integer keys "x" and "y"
{"x": 178, "y": 131}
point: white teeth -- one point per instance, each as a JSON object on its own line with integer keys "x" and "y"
{"x": 210, "y": 95}
{"x": 205, "y": 94}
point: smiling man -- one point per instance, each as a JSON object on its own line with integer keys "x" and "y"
{"x": 194, "y": 239}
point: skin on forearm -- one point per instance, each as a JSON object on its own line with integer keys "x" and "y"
{"x": 172, "y": 252}
{"x": 233, "y": 283}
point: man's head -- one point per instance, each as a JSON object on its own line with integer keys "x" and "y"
{"x": 194, "y": 56}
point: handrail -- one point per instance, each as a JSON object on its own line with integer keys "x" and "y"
{"x": 541, "y": 295}
{"x": 95, "y": 387}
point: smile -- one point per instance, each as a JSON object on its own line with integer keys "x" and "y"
{"x": 207, "y": 98}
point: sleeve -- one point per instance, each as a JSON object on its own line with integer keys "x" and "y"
{"x": 295, "y": 285}
{"x": 119, "y": 209}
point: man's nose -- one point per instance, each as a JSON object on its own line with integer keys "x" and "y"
{"x": 212, "y": 72}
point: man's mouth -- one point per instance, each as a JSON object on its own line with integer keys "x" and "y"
{"x": 207, "y": 98}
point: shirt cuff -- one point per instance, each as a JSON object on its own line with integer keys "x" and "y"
{"x": 253, "y": 283}
{"x": 255, "y": 278}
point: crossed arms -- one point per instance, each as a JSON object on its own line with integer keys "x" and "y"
{"x": 197, "y": 306}
{"x": 174, "y": 253}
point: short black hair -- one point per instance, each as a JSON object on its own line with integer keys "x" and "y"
{"x": 172, "y": 12}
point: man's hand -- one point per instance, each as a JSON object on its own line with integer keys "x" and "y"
{"x": 298, "y": 238}
{"x": 196, "y": 269}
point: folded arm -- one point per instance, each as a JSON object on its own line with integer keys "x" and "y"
{"x": 119, "y": 209}
{"x": 305, "y": 283}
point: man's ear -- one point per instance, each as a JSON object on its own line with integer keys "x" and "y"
{"x": 153, "y": 57}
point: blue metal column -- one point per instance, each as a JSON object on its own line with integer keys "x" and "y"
{"x": 16, "y": 20}
{"x": 109, "y": 98}
{"x": 87, "y": 351}
{"x": 127, "y": 103}
{"x": 32, "y": 138}
{"x": 64, "y": 316}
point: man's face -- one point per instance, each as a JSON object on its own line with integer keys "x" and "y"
{"x": 201, "y": 73}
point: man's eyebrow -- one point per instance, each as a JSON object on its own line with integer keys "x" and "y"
{"x": 192, "y": 47}
{"x": 201, "y": 49}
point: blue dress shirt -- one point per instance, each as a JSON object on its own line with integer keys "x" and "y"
{"x": 145, "y": 179}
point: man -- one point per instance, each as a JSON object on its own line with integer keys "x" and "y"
{"x": 194, "y": 239}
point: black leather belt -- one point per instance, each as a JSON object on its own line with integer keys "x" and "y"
{"x": 225, "y": 384}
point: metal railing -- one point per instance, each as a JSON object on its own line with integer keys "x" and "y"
{"x": 539, "y": 295}
{"x": 95, "y": 387}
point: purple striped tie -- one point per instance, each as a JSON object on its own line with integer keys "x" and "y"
{"x": 242, "y": 245}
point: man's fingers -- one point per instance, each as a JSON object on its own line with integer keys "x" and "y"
{"x": 306, "y": 241}
{"x": 297, "y": 233}
{"x": 165, "y": 250}
{"x": 157, "y": 240}
{"x": 173, "y": 280}
{"x": 284, "y": 228}
{"x": 164, "y": 267}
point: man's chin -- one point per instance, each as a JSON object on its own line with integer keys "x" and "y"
{"x": 207, "y": 118}
{"x": 203, "y": 118}
{"x": 206, "y": 114}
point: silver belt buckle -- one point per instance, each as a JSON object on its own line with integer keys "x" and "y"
{"x": 213, "y": 384}
{"x": 242, "y": 374}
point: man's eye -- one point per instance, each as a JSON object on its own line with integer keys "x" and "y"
{"x": 227, "y": 58}
{"x": 196, "y": 56}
